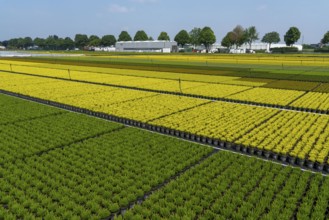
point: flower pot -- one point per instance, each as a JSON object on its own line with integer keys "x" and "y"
{"x": 292, "y": 160}
{"x": 267, "y": 154}
{"x": 319, "y": 166}
{"x": 310, "y": 164}
{"x": 187, "y": 136}
{"x": 300, "y": 161}
{"x": 251, "y": 150}
{"x": 283, "y": 158}
{"x": 274, "y": 156}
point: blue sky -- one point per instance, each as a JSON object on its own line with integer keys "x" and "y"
{"x": 40, "y": 18}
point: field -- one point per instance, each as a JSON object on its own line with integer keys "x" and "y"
{"x": 166, "y": 137}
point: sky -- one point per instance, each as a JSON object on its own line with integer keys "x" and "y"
{"x": 41, "y": 18}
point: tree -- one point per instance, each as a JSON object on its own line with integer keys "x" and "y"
{"x": 238, "y": 36}
{"x": 5, "y": 43}
{"x": 164, "y": 36}
{"x": 124, "y": 36}
{"x": 40, "y": 42}
{"x": 227, "y": 40}
{"x": 207, "y": 37}
{"x": 325, "y": 38}
{"x": 292, "y": 36}
{"x": 67, "y": 43}
{"x": 27, "y": 42}
{"x": 182, "y": 38}
{"x": 271, "y": 37}
{"x": 108, "y": 40}
{"x": 52, "y": 42}
{"x": 94, "y": 41}
{"x": 251, "y": 35}
{"x": 140, "y": 36}
{"x": 81, "y": 40}
{"x": 13, "y": 43}
{"x": 195, "y": 36}
{"x": 150, "y": 38}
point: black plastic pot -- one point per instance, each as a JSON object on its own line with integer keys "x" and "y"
{"x": 283, "y": 158}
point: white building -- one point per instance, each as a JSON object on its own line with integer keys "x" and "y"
{"x": 254, "y": 46}
{"x": 107, "y": 49}
{"x": 160, "y": 46}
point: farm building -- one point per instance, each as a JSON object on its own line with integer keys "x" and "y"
{"x": 254, "y": 46}
{"x": 146, "y": 46}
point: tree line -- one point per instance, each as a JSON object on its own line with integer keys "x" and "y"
{"x": 197, "y": 36}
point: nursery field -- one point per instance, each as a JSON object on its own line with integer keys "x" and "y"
{"x": 123, "y": 137}
{"x": 310, "y": 67}
{"x": 308, "y": 96}
{"x": 82, "y": 167}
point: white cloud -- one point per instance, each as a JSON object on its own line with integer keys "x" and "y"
{"x": 115, "y": 8}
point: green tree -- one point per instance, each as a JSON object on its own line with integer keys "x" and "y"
{"x": 108, "y": 40}
{"x": 81, "y": 40}
{"x": 27, "y": 42}
{"x": 163, "y": 36}
{"x": 271, "y": 37}
{"x": 251, "y": 35}
{"x": 124, "y": 36}
{"x": 325, "y": 38}
{"x": 292, "y": 36}
{"x": 52, "y": 42}
{"x": 40, "y": 42}
{"x": 227, "y": 41}
{"x": 141, "y": 36}
{"x": 195, "y": 36}
{"x": 182, "y": 38}
{"x": 13, "y": 43}
{"x": 207, "y": 37}
{"x": 67, "y": 43}
{"x": 94, "y": 41}
{"x": 150, "y": 38}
